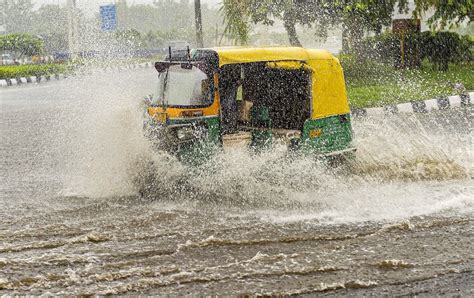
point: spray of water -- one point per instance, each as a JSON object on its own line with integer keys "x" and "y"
{"x": 405, "y": 165}
{"x": 104, "y": 124}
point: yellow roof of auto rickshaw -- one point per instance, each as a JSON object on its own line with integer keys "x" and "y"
{"x": 234, "y": 55}
{"x": 328, "y": 86}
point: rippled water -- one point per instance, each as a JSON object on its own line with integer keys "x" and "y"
{"x": 397, "y": 220}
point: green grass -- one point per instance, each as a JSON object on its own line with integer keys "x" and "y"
{"x": 17, "y": 71}
{"x": 373, "y": 84}
{"x": 27, "y": 70}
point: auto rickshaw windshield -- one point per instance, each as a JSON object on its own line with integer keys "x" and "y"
{"x": 180, "y": 86}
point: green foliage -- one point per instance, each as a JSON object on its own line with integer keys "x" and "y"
{"x": 21, "y": 44}
{"x": 237, "y": 20}
{"x": 168, "y": 20}
{"x": 50, "y": 19}
{"x": 54, "y": 42}
{"x": 171, "y": 20}
{"x": 381, "y": 48}
{"x": 50, "y": 22}
{"x": 467, "y": 49}
{"x": 17, "y": 71}
{"x": 355, "y": 16}
{"x": 17, "y": 15}
{"x": 440, "y": 48}
{"x": 447, "y": 12}
{"x": 367, "y": 69}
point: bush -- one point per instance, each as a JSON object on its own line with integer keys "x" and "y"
{"x": 440, "y": 48}
{"x": 21, "y": 44}
{"x": 381, "y": 48}
{"x": 17, "y": 71}
{"x": 369, "y": 71}
{"x": 467, "y": 49}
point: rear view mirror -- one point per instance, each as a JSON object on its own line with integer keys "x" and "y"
{"x": 161, "y": 66}
{"x": 147, "y": 100}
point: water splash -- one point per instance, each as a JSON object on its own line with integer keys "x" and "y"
{"x": 406, "y": 165}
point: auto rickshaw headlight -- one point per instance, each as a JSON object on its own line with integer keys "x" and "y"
{"x": 185, "y": 133}
{"x": 315, "y": 133}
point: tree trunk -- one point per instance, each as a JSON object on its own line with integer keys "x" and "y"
{"x": 345, "y": 40}
{"x": 290, "y": 26}
{"x": 198, "y": 19}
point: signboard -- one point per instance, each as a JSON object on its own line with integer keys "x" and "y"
{"x": 409, "y": 49}
{"x": 108, "y": 16}
{"x": 406, "y": 26}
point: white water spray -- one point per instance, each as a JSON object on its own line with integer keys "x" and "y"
{"x": 405, "y": 165}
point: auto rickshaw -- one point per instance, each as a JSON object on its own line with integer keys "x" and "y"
{"x": 225, "y": 98}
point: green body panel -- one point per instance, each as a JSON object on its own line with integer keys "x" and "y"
{"x": 335, "y": 134}
{"x": 213, "y": 125}
{"x": 197, "y": 151}
{"x": 261, "y": 139}
{"x": 262, "y": 136}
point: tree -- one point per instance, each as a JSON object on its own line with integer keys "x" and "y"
{"x": 442, "y": 48}
{"x": 359, "y": 16}
{"x": 50, "y": 19}
{"x": 239, "y": 15}
{"x": 21, "y": 44}
{"x": 17, "y": 15}
{"x": 50, "y": 22}
{"x": 355, "y": 16}
{"x": 175, "y": 19}
{"x": 447, "y": 12}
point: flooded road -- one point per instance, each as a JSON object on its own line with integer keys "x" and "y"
{"x": 399, "y": 220}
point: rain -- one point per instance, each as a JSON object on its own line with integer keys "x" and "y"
{"x": 236, "y": 147}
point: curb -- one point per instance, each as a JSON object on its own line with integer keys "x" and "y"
{"x": 421, "y": 106}
{"x": 45, "y": 78}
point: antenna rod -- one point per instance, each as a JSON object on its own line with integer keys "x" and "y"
{"x": 189, "y": 54}
{"x": 169, "y": 52}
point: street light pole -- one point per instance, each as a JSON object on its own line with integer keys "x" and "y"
{"x": 198, "y": 19}
{"x": 72, "y": 36}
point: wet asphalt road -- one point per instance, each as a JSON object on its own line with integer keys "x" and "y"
{"x": 397, "y": 221}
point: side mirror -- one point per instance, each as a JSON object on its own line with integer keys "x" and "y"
{"x": 148, "y": 99}
{"x": 161, "y": 66}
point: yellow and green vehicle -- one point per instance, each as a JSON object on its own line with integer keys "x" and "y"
{"x": 209, "y": 99}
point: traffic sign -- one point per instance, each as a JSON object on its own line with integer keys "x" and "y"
{"x": 108, "y": 15}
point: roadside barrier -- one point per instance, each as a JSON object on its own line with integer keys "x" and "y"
{"x": 45, "y": 78}
{"x": 421, "y": 106}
